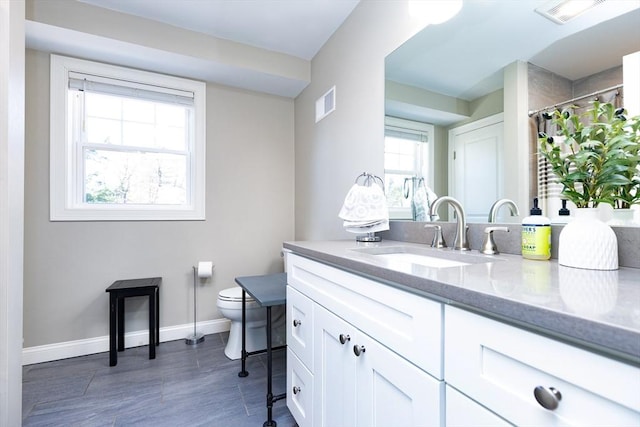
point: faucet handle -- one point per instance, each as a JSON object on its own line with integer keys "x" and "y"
{"x": 438, "y": 239}
{"x": 489, "y": 245}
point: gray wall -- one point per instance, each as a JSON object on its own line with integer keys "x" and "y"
{"x": 330, "y": 154}
{"x": 249, "y": 210}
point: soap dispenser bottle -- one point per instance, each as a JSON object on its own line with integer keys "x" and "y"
{"x": 536, "y": 235}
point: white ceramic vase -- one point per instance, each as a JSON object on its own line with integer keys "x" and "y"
{"x": 587, "y": 242}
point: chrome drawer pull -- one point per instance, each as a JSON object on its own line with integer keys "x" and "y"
{"x": 548, "y": 398}
{"x": 344, "y": 338}
{"x": 296, "y": 323}
{"x": 358, "y": 349}
{"x": 296, "y": 389}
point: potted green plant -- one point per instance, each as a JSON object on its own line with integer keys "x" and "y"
{"x": 596, "y": 155}
{"x": 628, "y": 194}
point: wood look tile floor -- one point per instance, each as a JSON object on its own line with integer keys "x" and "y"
{"x": 184, "y": 386}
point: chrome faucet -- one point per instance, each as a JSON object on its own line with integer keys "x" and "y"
{"x": 461, "y": 243}
{"x": 493, "y": 212}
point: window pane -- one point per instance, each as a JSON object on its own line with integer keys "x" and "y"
{"x": 104, "y": 106}
{"x": 138, "y": 134}
{"x": 171, "y": 115}
{"x": 116, "y": 177}
{"x": 136, "y": 110}
{"x": 172, "y": 138}
{"x": 400, "y": 154}
{"x": 394, "y": 190}
{"x": 137, "y": 123}
{"x": 103, "y": 131}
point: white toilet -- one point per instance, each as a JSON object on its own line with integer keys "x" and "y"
{"x": 230, "y": 306}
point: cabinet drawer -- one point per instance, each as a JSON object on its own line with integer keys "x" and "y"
{"x": 300, "y": 326}
{"x": 299, "y": 390}
{"x": 500, "y": 365}
{"x": 407, "y": 323}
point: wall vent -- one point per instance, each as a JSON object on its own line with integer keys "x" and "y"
{"x": 326, "y": 104}
{"x": 562, "y": 11}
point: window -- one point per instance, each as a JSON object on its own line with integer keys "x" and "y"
{"x": 408, "y": 164}
{"x": 125, "y": 144}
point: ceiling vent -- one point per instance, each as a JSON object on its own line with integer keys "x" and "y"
{"x": 562, "y": 11}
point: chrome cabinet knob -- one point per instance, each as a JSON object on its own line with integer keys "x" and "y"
{"x": 548, "y": 397}
{"x": 358, "y": 349}
{"x": 296, "y": 323}
{"x": 296, "y": 389}
{"x": 344, "y": 338}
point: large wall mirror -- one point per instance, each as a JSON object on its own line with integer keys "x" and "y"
{"x": 459, "y": 97}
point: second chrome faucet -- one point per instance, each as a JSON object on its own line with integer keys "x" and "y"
{"x": 493, "y": 212}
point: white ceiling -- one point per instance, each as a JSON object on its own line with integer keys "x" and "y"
{"x": 461, "y": 58}
{"x": 464, "y": 57}
{"x": 295, "y": 27}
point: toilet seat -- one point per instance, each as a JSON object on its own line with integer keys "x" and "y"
{"x": 233, "y": 295}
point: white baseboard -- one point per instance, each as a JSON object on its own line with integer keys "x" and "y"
{"x": 65, "y": 350}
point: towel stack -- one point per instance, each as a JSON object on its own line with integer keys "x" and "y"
{"x": 365, "y": 209}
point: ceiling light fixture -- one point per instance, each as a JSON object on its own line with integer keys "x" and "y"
{"x": 434, "y": 11}
{"x": 562, "y": 11}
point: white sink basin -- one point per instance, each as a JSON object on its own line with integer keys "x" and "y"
{"x": 427, "y": 257}
{"x": 427, "y": 261}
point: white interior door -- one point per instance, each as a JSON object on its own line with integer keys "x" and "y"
{"x": 476, "y": 166}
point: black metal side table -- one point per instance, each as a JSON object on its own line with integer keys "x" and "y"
{"x": 268, "y": 291}
{"x": 122, "y": 289}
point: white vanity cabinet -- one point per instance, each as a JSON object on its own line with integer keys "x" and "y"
{"x": 504, "y": 368}
{"x": 360, "y": 382}
{"x": 365, "y": 353}
{"x": 376, "y": 352}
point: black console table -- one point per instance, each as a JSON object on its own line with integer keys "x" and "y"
{"x": 122, "y": 289}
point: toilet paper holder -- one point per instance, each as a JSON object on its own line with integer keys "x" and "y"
{"x": 204, "y": 270}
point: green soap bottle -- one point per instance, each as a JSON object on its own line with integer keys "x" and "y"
{"x": 536, "y": 235}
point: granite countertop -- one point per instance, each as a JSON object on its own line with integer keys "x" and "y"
{"x": 598, "y": 310}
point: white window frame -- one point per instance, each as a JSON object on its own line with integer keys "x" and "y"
{"x": 64, "y": 203}
{"x": 427, "y": 131}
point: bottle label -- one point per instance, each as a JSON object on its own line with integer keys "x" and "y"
{"x": 536, "y": 240}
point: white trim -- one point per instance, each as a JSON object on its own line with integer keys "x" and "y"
{"x": 63, "y": 206}
{"x": 409, "y": 124}
{"x": 64, "y": 350}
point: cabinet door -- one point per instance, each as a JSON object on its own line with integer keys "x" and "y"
{"x": 334, "y": 370}
{"x": 390, "y": 391}
{"x": 464, "y": 412}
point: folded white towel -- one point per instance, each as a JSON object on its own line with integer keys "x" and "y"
{"x": 365, "y": 209}
{"x": 371, "y": 228}
{"x": 364, "y": 203}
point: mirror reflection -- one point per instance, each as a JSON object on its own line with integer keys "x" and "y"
{"x": 462, "y": 100}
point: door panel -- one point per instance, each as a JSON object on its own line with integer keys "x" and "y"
{"x": 477, "y": 169}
